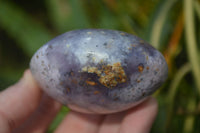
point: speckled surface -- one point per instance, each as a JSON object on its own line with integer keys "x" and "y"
{"x": 98, "y": 71}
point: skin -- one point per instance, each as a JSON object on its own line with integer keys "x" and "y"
{"x": 24, "y": 108}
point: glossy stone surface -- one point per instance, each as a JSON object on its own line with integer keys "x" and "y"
{"x": 98, "y": 71}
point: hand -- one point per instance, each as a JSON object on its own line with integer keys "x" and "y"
{"x": 24, "y": 108}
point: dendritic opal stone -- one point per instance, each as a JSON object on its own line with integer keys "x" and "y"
{"x": 98, "y": 71}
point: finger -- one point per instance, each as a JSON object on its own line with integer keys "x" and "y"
{"x": 19, "y": 101}
{"x": 140, "y": 118}
{"x": 111, "y": 123}
{"x": 41, "y": 118}
{"x": 77, "y": 122}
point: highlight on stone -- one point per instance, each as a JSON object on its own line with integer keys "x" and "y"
{"x": 98, "y": 71}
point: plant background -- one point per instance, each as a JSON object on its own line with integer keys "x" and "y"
{"x": 172, "y": 26}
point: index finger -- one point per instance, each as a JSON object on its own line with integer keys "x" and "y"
{"x": 19, "y": 101}
{"x": 140, "y": 118}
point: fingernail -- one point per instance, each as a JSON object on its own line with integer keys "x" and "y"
{"x": 27, "y": 78}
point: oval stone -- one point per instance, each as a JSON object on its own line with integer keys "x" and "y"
{"x": 98, "y": 71}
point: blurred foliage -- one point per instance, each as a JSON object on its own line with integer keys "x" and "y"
{"x": 172, "y": 26}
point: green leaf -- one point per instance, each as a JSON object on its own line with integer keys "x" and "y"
{"x": 29, "y": 34}
{"x": 173, "y": 90}
{"x": 157, "y": 22}
{"x": 191, "y": 43}
{"x": 67, "y": 14}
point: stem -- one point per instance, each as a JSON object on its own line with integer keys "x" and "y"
{"x": 189, "y": 121}
{"x": 159, "y": 22}
{"x": 173, "y": 89}
{"x": 191, "y": 41}
{"x": 197, "y": 8}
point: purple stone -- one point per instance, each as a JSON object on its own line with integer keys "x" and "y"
{"x": 98, "y": 71}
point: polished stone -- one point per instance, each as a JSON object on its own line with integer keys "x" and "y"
{"x": 99, "y": 71}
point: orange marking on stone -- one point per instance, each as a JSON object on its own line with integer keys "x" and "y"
{"x": 130, "y": 48}
{"x": 102, "y": 100}
{"x": 109, "y": 75}
{"x": 71, "y": 73}
{"x": 74, "y": 81}
{"x": 68, "y": 90}
{"x": 140, "y": 68}
{"x": 147, "y": 58}
{"x": 138, "y": 81}
{"x": 133, "y": 45}
{"x": 96, "y": 92}
{"x": 91, "y": 82}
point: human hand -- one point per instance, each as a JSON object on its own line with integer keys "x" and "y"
{"x": 24, "y": 108}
